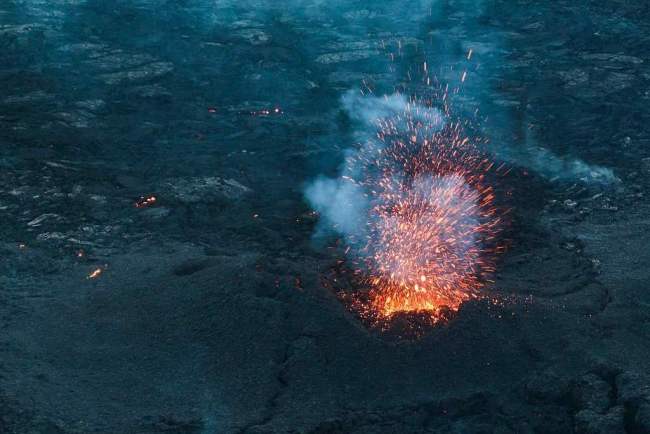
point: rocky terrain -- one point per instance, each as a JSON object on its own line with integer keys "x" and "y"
{"x": 158, "y": 266}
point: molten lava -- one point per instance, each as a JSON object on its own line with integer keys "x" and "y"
{"x": 432, "y": 224}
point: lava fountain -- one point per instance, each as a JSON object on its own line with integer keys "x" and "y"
{"x": 431, "y": 224}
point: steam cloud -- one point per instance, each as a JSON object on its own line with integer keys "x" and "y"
{"x": 344, "y": 205}
{"x": 553, "y": 167}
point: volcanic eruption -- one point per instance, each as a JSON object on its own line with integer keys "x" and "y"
{"x": 424, "y": 228}
{"x": 432, "y": 222}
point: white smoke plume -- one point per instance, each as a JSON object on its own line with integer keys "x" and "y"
{"x": 342, "y": 205}
{"x": 341, "y": 202}
{"x": 553, "y": 167}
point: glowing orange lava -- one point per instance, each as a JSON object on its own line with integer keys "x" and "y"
{"x": 432, "y": 224}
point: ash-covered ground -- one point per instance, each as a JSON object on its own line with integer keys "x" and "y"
{"x": 207, "y": 311}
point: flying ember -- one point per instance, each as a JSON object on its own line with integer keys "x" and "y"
{"x": 432, "y": 225}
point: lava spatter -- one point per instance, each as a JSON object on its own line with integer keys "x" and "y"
{"x": 432, "y": 225}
